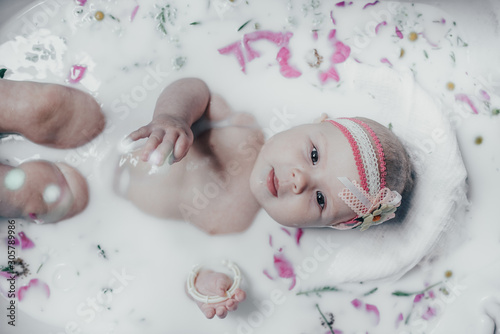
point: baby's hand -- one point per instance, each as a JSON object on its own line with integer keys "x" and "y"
{"x": 212, "y": 283}
{"x": 168, "y": 136}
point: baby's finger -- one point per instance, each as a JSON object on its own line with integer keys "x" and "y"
{"x": 154, "y": 140}
{"x": 181, "y": 147}
{"x": 142, "y": 132}
{"x": 160, "y": 154}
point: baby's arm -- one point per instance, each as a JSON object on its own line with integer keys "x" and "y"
{"x": 180, "y": 104}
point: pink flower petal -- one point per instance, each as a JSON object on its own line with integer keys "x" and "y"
{"x": 298, "y": 234}
{"x": 279, "y": 38}
{"x": 26, "y": 243}
{"x": 286, "y": 231}
{"x": 34, "y": 283}
{"x": 418, "y": 298}
{"x": 357, "y": 303}
{"x": 265, "y": 272}
{"x": 386, "y": 61}
{"x": 343, "y": 4}
{"x": 76, "y": 73}
{"x": 399, "y": 33}
{"x": 432, "y": 295}
{"x": 81, "y": 2}
{"x": 5, "y": 274}
{"x": 285, "y": 269}
{"x": 431, "y": 43}
{"x": 235, "y": 49}
{"x": 331, "y": 17}
{"x": 484, "y": 95}
{"x": 270, "y": 240}
{"x": 383, "y": 23}
{"x": 399, "y": 319}
{"x": 373, "y": 309}
{"x": 315, "y": 35}
{"x": 16, "y": 241}
{"x": 370, "y": 4}
{"x": 465, "y": 98}
{"x": 429, "y": 314}
{"x": 331, "y": 34}
{"x": 330, "y": 74}
{"x": 342, "y": 52}
{"x": 134, "y": 12}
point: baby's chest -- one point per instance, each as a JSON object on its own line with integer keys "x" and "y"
{"x": 216, "y": 178}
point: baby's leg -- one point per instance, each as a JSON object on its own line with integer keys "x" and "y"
{"x": 41, "y": 191}
{"x": 48, "y": 114}
{"x": 212, "y": 283}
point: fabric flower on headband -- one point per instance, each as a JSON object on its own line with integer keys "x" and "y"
{"x": 383, "y": 213}
{"x": 371, "y": 210}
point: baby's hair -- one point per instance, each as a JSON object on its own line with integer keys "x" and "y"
{"x": 399, "y": 168}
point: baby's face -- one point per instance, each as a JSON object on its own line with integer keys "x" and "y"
{"x": 295, "y": 176}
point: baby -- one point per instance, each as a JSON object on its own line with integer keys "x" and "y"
{"x": 340, "y": 173}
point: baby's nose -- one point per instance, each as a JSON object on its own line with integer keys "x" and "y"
{"x": 299, "y": 181}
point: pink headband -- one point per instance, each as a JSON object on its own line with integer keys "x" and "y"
{"x": 371, "y": 200}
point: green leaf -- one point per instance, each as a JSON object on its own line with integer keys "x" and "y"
{"x": 324, "y": 319}
{"x": 2, "y": 72}
{"x": 195, "y": 23}
{"x": 244, "y": 25}
{"x": 317, "y": 291}
{"x": 8, "y": 270}
{"x": 407, "y": 294}
{"x": 370, "y": 292}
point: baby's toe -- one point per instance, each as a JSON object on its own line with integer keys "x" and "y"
{"x": 208, "y": 311}
{"x": 231, "y": 305}
{"x": 240, "y": 295}
{"x": 221, "y": 312}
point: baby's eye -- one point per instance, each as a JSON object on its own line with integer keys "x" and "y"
{"x": 314, "y": 155}
{"x": 320, "y": 199}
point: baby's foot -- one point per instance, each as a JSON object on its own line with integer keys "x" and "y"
{"x": 48, "y": 114}
{"x": 42, "y": 191}
{"x": 212, "y": 283}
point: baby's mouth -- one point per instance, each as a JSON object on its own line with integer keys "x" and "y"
{"x": 272, "y": 183}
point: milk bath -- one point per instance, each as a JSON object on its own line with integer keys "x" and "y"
{"x": 113, "y": 269}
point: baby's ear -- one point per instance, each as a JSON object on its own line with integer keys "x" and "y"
{"x": 321, "y": 118}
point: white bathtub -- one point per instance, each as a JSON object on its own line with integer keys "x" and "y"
{"x": 481, "y": 19}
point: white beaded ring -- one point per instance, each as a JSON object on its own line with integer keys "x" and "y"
{"x": 213, "y": 299}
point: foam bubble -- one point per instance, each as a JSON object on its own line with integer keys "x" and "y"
{"x": 51, "y": 193}
{"x": 14, "y": 179}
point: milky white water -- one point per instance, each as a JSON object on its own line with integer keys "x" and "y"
{"x": 113, "y": 269}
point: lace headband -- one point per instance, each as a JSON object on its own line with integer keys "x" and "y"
{"x": 371, "y": 200}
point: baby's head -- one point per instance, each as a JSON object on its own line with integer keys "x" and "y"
{"x": 339, "y": 173}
